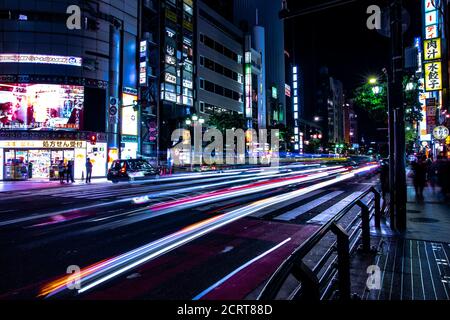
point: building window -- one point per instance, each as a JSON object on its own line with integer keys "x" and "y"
{"x": 202, "y": 61}
{"x": 202, "y": 106}
{"x": 202, "y": 84}
{"x": 209, "y": 86}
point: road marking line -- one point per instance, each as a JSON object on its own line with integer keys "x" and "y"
{"x": 245, "y": 265}
{"x": 293, "y": 214}
{"x": 326, "y": 215}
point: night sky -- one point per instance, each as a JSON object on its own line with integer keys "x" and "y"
{"x": 338, "y": 39}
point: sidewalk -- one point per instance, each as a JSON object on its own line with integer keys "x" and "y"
{"x": 414, "y": 265}
{"x": 11, "y": 186}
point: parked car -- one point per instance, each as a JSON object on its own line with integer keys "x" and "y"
{"x": 131, "y": 169}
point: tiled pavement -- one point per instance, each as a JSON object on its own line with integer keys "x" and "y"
{"x": 414, "y": 265}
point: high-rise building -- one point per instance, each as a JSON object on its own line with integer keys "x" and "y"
{"x": 249, "y": 14}
{"x": 329, "y": 107}
{"x": 350, "y": 124}
{"x": 64, "y": 86}
{"x": 167, "y": 66}
{"x": 220, "y": 64}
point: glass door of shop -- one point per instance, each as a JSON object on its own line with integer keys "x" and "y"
{"x": 56, "y": 157}
{"x": 15, "y": 165}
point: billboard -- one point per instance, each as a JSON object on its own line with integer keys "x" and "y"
{"x": 40, "y": 106}
{"x": 129, "y": 115}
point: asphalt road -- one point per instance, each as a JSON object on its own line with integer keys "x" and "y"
{"x": 195, "y": 236}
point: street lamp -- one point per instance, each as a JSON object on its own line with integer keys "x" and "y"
{"x": 373, "y": 80}
{"x": 376, "y": 90}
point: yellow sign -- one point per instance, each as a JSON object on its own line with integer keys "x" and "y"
{"x": 432, "y": 49}
{"x": 433, "y": 76}
{"x": 171, "y": 15}
{"x": 187, "y": 25}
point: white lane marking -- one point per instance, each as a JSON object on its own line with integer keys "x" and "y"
{"x": 218, "y": 283}
{"x": 291, "y": 215}
{"x": 329, "y": 213}
{"x": 262, "y": 213}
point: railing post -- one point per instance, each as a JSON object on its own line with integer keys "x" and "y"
{"x": 377, "y": 198}
{"x": 343, "y": 251}
{"x": 365, "y": 225}
{"x": 309, "y": 281}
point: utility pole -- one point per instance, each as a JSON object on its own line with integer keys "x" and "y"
{"x": 391, "y": 130}
{"x": 397, "y": 110}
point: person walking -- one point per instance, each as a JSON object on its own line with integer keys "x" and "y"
{"x": 30, "y": 170}
{"x": 61, "y": 171}
{"x": 88, "y": 170}
{"x": 419, "y": 178}
{"x": 70, "y": 172}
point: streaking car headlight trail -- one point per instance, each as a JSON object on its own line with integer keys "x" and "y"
{"x": 101, "y": 272}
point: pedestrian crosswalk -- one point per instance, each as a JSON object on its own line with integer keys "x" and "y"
{"x": 316, "y": 210}
{"x": 291, "y": 215}
{"x": 329, "y": 213}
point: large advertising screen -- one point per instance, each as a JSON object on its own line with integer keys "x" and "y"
{"x": 40, "y": 106}
{"x": 129, "y": 115}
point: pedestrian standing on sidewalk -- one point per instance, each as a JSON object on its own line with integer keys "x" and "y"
{"x": 443, "y": 174}
{"x": 419, "y": 178}
{"x": 88, "y": 170}
{"x": 61, "y": 171}
{"x": 70, "y": 171}
{"x": 30, "y": 170}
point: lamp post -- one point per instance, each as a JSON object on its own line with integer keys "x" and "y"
{"x": 195, "y": 120}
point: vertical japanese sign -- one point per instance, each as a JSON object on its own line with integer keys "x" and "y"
{"x": 143, "y": 63}
{"x": 432, "y": 63}
{"x": 432, "y": 49}
{"x": 433, "y": 76}
{"x": 298, "y": 138}
{"x": 248, "y": 85}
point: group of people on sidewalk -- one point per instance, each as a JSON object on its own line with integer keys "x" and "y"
{"x": 424, "y": 171}
{"x": 66, "y": 171}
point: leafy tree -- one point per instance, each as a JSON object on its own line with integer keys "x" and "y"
{"x": 224, "y": 121}
{"x": 373, "y": 99}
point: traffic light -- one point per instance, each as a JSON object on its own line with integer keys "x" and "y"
{"x": 93, "y": 138}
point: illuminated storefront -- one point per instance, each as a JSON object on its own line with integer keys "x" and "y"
{"x": 39, "y": 159}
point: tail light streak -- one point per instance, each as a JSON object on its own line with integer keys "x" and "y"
{"x": 104, "y": 271}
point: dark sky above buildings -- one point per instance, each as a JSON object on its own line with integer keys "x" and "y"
{"x": 339, "y": 39}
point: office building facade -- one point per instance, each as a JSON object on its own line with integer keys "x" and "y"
{"x": 220, "y": 64}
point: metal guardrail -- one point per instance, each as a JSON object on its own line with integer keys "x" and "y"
{"x": 313, "y": 287}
